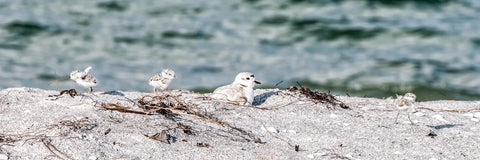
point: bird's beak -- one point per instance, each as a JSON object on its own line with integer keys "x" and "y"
{"x": 257, "y": 82}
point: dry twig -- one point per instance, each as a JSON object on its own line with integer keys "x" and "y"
{"x": 57, "y": 153}
{"x": 451, "y": 110}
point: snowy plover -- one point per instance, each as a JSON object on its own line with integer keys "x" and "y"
{"x": 84, "y": 79}
{"x": 162, "y": 80}
{"x": 406, "y": 102}
{"x": 239, "y": 92}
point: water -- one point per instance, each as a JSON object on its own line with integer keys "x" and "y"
{"x": 372, "y": 48}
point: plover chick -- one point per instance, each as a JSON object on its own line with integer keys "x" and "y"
{"x": 240, "y": 92}
{"x": 84, "y": 79}
{"x": 406, "y": 102}
{"x": 162, "y": 80}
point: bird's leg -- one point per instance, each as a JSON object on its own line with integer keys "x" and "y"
{"x": 90, "y": 89}
{"x": 410, "y": 119}
{"x": 396, "y": 117}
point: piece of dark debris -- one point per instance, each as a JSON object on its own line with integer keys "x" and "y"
{"x": 318, "y": 97}
{"x": 71, "y": 92}
{"x": 186, "y": 129}
{"x": 206, "y": 145}
{"x": 258, "y": 140}
{"x": 432, "y": 134}
{"x": 162, "y": 137}
{"x": 107, "y": 131}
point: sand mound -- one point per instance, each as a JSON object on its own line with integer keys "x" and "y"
{"x": 282, "y": 124}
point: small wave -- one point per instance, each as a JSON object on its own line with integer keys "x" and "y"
{"x": 206, "y": 69}
{"x": 51, "y": 77}
{"x": 400, "y": 3}
{"x": 423, "y": 31}
{"x": 25, "y": 28}
{"x": 113, "y": 6}
{"x": 186, "y": 35}
{"x": 12, "y": 46}
{"x": 173, "y": 10}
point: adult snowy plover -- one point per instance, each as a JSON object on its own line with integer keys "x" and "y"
{"x": 162, "y": 80}
{"x": 240, "y": 92}
{"x": 406, "y": 102}
{"x": 84, "y": 79}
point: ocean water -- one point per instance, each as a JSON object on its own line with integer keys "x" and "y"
{"x": 371, "y": 48}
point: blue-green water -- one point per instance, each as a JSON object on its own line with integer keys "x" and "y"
{"x": 373, "y": 48}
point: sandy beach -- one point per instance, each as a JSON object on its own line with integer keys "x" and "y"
{"x": 179, "y": 124}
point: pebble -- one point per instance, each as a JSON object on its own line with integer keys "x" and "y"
{"x": 439, "y": 117}
{"x": 432, "y": 159}
{"x": 3, "y": 157}
{"x": 310, "y": 156}
{"x": 397, "y": 152}
{"x": 475, "y": 119}
{"x": 349, "y": 156}
{"x": 470, "y": 115}
{"x": 92, "y": 158}
{"x": 321, "y": 154}
{"x": 333, "y": 116}
{"x": 271, "y": 129}
{"x": 419, "y": 114}
{"x": 476, "y": 115}
{"x": 292, "y": 131}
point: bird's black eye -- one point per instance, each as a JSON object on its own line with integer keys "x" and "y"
{"x": 248, "y": 78}
{"x": 252, "y": 75}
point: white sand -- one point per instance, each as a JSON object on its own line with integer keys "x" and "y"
{"x": 32, "y": 124}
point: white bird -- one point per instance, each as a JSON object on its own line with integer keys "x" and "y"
{"x": 84, "y": 79}
{"x": 406, "y": 102}
{"x": 240, "y": 92}
{"x": 162, "y": 80}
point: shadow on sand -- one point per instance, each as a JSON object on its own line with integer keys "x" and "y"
{"x": 260, "y": 99}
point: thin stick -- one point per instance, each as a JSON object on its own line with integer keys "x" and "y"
{"x": 275, "y": 86}
{"x": 299, "y": 84}
{"x": 49, "y": 146}
{"x": 450, "y": 110}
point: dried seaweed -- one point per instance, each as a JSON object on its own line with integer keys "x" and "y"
{"x": 112, "y": 106}
{"x": 186, "y": 129}
{"x": 318, "y": 97}
{"x": 176, "y": 109}
{"x": 6, "y": 139}
{"x": 82, "y": 124}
